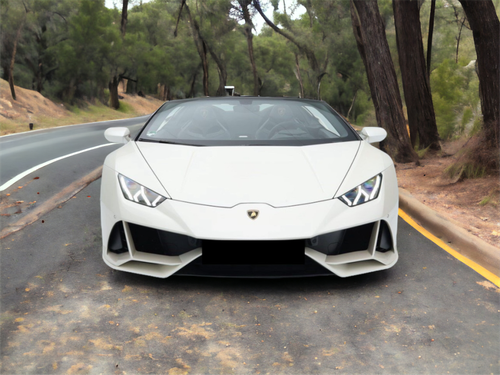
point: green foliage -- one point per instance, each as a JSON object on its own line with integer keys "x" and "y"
{"x": 445, "y": 116}
{"x": 476, "y": 126}
{"x": 421, "y": 153}
{"x": 491, "y": 198}
{"x": 465, "y": 170}
{"x": 466, "y": 117}
{"x": 125, "y": 108}
{"x": 455, "y": 96}
{"x": 485, "y": 201}
{"x": 72, "y": 49}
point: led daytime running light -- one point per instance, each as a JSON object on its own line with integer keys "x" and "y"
{"x": 137, "y": 193}
{"x": 363, "y": 193}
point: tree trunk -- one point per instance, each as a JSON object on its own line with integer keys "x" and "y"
{"x": 162, "y": 92}
{"x": 201, "y": 46}
{"x": 421, "y": 117}
{"x": 299, "y": 77}
{"x": 13, "y": 60}
{"x": 356, "y": 27}
{"x": 383, "y": 82}
{"x": 248, "y": 34}
{"x": 458, "y": 39}
{"x": 113, "y": 93}
{"x": 221, "y": 69}
{"x": 486, "y": 32}
{"x": 123, "y": 26}
{"x": 193, "y": 81}
{"x": 429, "y": 38}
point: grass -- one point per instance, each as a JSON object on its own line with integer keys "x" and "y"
{"x": 492, "y": 198}
{"x": 469, "y": 170}
{"x": 125, "y": 108}
{"x": 75, "y": 115}
{"x": 421, "y": 153}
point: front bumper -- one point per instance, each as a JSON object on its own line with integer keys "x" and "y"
{"x": 196, "y": 226}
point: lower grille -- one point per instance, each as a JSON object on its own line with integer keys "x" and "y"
{"x": 149, "y": 240}
{"x": 352, "y": 239}
{"x": 214, "y": 252}
{"x": 253, "y": 252}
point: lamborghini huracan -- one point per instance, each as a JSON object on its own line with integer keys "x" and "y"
{"x": 248, "y": 187}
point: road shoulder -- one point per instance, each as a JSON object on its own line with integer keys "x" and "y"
{"x": 466, "y": 244}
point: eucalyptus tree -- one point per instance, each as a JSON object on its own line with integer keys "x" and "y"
{"x": 305, "y": 46}
{"x": 158, "y": 62}
{"x": 242, "y": 10}
{"x": 45, "y": 26}
{"x": 210, "y": 21}
{"x": 275, "y": 63}
{"x": 418, "y": 98}
{"x": 485, "y": 26}
{"x": 84, "y": 54}
{"x": 370, "y": 34}
{"x": 13, "y": 15}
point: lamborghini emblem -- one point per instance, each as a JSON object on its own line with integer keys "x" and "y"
{"x": 252, "y": 214}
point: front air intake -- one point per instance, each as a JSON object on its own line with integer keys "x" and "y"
{"x": 117, "y": 241}
{"x": 154, "y": 241}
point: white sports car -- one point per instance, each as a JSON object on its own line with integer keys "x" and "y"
{"x": 248, "y": 187}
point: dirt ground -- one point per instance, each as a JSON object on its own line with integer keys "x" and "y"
{"x": 471, "y": 204}
{"x": 32, "y": 107}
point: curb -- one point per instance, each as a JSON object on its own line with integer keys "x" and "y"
{"x": 468, "y": 245}
{"x": 63, "y": 196}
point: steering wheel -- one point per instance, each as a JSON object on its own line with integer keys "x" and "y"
{"x": 289, "y": 124}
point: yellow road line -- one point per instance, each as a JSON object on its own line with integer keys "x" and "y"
{"x": 476, "y": 267}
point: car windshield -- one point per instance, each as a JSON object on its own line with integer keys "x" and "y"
{"x": 246, "y": 121}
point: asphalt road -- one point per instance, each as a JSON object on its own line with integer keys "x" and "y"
{"x": 20, "y": 152}
{"x": 64, "y": 311}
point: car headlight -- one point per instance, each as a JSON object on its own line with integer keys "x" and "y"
{"x": 139, "y": 194}
{"x": 363, "y": 193}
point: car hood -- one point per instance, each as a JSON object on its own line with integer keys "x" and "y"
{"x": 226, "y": 176}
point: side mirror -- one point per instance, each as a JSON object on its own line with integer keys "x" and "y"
{"x": 117, "y": 135}
{"x": 373, "y": 134}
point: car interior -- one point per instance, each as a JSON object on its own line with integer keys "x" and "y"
{"x": 223, "y": 121}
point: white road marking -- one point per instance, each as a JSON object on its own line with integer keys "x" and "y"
{"x": 27, "y": 132}
{"x": 36, "y": 167}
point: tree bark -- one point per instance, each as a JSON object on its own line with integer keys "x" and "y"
{"x": 299, "y": 77}
{"x": 429, "y": 38}
{"x": 201, "y": 46}
{"x": 113, "y": 93}
{"x": 486, "y": 32}
{"x": 13, "y": 60}
{"x": 221, "y": 69}
{"x": 123, "y": 26}
{"x": 193, "y": 82}
{"x": 458, "y": 39}
{"x": 249, "y": 36}
{"x": 421, "y": 117}
{"x": 356, "y": 27}
{"x": 383, "y": 82}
